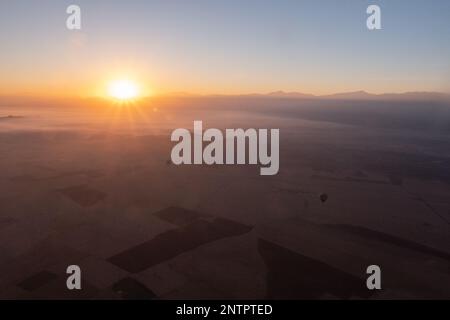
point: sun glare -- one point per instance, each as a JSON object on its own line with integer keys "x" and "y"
{"x": 123, "y": 90}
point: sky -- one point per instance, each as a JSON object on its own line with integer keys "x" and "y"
{"x": 224, "y": 46}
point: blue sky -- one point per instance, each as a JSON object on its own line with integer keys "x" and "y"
{"x": 226, "y": 46}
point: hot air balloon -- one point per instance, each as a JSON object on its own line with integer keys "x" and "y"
{"x": 323, "y": 197}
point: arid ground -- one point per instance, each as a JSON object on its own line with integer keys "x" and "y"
{"x": 93, "y": 185}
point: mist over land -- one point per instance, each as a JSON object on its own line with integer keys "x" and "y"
{"x": 428, "y": 112}
{"x": 88, "y": 182}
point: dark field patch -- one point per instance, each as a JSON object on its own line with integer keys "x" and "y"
{"x": 387, "y": 238}
{"x": 57, "y": 289}
{"x": 83, "y": 195}
{"x": 131, "y": 289}
{"x": 172, "y": 243}
{"x": 37, "y": 280}
{"x": 291, "y": 275}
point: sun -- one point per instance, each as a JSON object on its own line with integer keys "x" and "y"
{"x": 123, "y": 90}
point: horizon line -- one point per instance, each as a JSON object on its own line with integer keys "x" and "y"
{"x": 278, "y": 93}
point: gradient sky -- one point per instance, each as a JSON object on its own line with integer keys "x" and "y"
{"x": 224, "y": 46}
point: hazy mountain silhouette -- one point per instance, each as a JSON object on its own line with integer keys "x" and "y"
{"x": 359, "y": 95}
{"x": 364, "y": 95}
{"x": 290, "y": 94}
